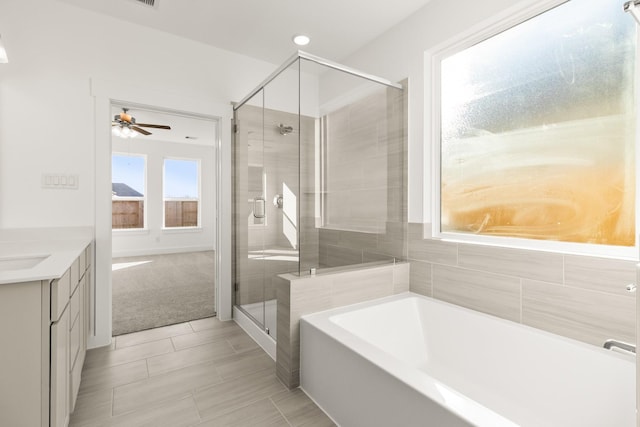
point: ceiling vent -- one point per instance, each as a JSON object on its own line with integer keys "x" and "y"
{"x": 150, "y": 3}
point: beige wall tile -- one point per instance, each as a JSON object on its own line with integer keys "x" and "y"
{"x": 485, "y": 292}
{"x": 599, "y": 274}
{"x": 535, "y": 265}
{"x": 361, "y": 285}
{"x": 585, "y": 315}
{"x": 355, "y": 240}
{"x": 432, "y": 250}
{"x": 338, "y": 256}
{"x": 401, "y": 278}
{"x": 420, "y": 277}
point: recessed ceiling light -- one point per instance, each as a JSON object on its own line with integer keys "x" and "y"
{"x": 301, "y": 40}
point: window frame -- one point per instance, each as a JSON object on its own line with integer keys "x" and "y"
{"x": 144, "y": 198}
{"x": 198, "y": 199}
{"x": 510, "y": 18}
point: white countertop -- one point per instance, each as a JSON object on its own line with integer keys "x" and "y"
{"x": 59, "y": 246}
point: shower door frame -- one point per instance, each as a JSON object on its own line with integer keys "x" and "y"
{"x": 265, "y": 343}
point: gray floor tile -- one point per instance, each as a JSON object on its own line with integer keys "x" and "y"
{"x": 152, "y": 335}
{"x": 259, "y": 414}
{"x": 242, "y": 342}
{"x": 299, "y": 410}
{"x": 92, "y": 408}
{"x": 161, "y": 387}
{"x": 99, "y": 378}
{"x": 206, "y": 336}
{"x": 244, "y": 363}
{"x": 234, "y": 394}
{"x": 189, "y": 356}
{"x": 215, "y": 376}
{"x": 128, "y": 354}
{"x": 172, "y": 413}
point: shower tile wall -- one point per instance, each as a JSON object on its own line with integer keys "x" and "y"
{"x": 279, "y": 159}
{"x": 579, "y": 297}
{"x": 365, "y": 203}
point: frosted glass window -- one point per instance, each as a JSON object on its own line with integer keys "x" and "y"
{"x": 181, "y": 193}
{"x": 537, "y": 129}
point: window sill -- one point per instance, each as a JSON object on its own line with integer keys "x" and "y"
{"x": 171, "y": 230}
{"x": 130, "y": 231}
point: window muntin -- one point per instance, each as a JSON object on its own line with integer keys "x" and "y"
{"x": 537, "y": 130}
{"x": 128, "y": 174}
{"x": 181, "y": 193}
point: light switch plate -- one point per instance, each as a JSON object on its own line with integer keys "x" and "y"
{"x": 60, "y": 181}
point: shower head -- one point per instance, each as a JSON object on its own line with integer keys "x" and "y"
{"x": 285, "y": 130}
{"x": 630, "y": 7}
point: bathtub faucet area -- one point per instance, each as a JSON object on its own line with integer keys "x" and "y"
{"x": 609, "y": 344}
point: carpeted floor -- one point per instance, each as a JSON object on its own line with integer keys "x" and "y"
{"x": 159, "y": 290}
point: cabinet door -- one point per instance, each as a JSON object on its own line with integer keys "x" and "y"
{"x": 60, "y": 371}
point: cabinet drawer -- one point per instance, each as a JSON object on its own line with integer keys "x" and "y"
{"x": 74, "y": 307}
{"x": 60, "y": 290}
{"x": 75, "y": 377}
{"x": 82, "y": 262}
{"x": 88, "y": 256}
{"x": 74, "y": 275}
{"x": 59, "y": 394}
{"x": 74, "y": 344}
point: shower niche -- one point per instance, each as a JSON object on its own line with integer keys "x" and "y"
{"x": 319, "y": 159}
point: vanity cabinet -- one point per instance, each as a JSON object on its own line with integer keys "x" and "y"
{"x": 44, "y": 327}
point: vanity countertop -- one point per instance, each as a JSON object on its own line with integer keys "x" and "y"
{"x": 31, "y": 254}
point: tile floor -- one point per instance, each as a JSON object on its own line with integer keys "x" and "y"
{"x": 200, "y": 373}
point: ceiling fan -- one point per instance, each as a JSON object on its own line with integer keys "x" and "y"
{"x": 124, "y": 125}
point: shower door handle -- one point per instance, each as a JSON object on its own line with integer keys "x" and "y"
{"x": 258, "y": 207}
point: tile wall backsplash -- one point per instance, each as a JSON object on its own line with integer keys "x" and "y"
{"x": 298, "y": 296}
{"x": 579, "y": 297}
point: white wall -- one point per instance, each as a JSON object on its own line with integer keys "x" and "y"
{"x": 46, "y": 111}
{"x": 400, "y": 53}
{"x": 66, "y": 66}
{"x": 154, "y": 239}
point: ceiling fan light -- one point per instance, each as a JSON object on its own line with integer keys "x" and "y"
{"x": 116, "y": 131}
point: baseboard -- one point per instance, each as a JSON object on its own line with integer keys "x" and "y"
{"x": 160, "y": 251}
{"x": 267, "y": 343}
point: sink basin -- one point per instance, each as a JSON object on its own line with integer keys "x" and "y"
{"x": 21, "y": 263}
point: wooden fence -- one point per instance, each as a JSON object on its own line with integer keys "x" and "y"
{"x": 180, "y": 213}
{"x": 177, "y": 213}
{"x": 127, "y": 214}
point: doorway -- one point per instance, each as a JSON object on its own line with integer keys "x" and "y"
{"x": 163, "y": 213}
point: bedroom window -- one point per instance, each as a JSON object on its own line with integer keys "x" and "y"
{"x": 128, "y": 191}
{"x": 537, "y": 129}
{"x": 181, "y": 193}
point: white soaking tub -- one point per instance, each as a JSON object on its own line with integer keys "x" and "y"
{"x": 409, "y": 360}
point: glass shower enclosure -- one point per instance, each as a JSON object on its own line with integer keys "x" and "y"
{"x": 319, "y": 178}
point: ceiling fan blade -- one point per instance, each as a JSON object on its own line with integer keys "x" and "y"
{"x": 142, "y": 131}
{"x": 146, "y": 125}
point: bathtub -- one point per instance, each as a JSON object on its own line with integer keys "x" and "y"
{"x": 409, "y": 360}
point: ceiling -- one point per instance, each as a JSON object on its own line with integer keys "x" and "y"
{"x": 263, "y": 28}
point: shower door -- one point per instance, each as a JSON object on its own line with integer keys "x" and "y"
{"x": 267, "y": 195}
{"x": 250, "y": 217}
